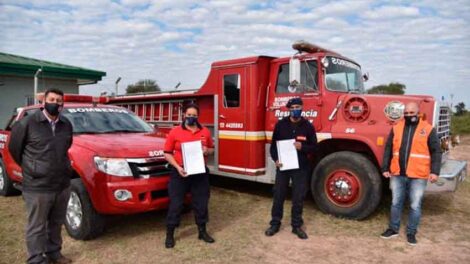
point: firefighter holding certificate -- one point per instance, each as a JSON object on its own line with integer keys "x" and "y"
{"x": 181, "y": 182}
{"x": 303, "y": 133}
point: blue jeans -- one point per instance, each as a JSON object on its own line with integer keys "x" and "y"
{"x": 402, "y": 187}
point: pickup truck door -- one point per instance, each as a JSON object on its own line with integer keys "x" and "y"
{"x": 13, "y": 169}
{"x": 232, "y": 155}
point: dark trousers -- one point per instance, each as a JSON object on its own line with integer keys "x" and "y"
{"x": 46, "y": 214}
{"x": 178, "y": 186}
{"x": 299, "y": 188}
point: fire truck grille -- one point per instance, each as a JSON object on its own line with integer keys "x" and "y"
{"x": 443, "y": 128}
{"x": 149, "y": 167}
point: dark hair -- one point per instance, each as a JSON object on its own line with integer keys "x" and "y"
{"x": 56, "y": 91}
{"x": 191, "y": 105}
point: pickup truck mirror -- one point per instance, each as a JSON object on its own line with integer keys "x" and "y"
{"x": 294, "y": 72}
{"x": 154, "y": 126}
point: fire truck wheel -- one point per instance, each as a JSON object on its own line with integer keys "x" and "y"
{"x": 6, "y": 185}
{"x": 82, "y": 222}
{"x": 346, "y": 184}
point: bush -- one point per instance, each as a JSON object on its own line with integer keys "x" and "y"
{"x": 460, "y": 124}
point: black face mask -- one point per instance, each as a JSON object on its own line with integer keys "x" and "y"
{"x": 52, "y": 108}
{"x": 190, "y": 120}
{"x": 411, "y": 119}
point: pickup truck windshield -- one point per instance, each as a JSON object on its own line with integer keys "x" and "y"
{"x": 96, "y": 120}
{"x": 343, "y": 76}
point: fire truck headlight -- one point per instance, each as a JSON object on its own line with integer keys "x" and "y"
{"x": 115, "y": 167}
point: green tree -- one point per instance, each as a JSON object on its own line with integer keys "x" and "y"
{"x": 392, "y": 88}
{"x": 460, "y": 109}
{"x": 143, "y": 86}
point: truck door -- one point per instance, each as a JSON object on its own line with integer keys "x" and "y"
{"x": 232, "y": 154}
{"x": 280, "y": 93}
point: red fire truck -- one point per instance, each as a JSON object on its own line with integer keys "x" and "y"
{"x": 117, "y": 160}
{"x": 242, "y": 99}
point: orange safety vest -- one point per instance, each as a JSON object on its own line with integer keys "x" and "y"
{"x": 419, "y": 160}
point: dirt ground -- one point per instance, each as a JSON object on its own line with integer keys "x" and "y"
{"x": 240, "y": 212}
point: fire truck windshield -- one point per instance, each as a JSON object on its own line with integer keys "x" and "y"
{"x": 101, "y": 120}
{"x": 343, "y": 76}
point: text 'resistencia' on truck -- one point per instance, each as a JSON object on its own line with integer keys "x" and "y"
{"x": 117, "y": 161}
{"x": 242, "y": 99}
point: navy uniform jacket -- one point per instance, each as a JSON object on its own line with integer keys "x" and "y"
{"x": 302, "y": 131}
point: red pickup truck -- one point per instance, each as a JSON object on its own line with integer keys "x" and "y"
{"x": 117, "y": 159}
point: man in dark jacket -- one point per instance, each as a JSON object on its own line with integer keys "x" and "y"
{"x": 298, "y": 128}
{"x": 412, "y": 156}
{"x": 39, "y": 144}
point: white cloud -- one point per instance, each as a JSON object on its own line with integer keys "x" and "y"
{"x": 424, "y": 44}
{"x": 387, "y": 12}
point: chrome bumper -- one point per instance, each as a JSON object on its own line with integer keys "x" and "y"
{"x": 453, "y": 172}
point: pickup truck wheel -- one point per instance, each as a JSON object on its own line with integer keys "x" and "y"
{"x": 6, "y": 185}
{"x": 82, "y": 222}
{"x": 346, "y": 184}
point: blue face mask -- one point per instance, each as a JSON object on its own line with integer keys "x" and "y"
{"x": 191, "y": 120}
{"x": 296, "y": 113}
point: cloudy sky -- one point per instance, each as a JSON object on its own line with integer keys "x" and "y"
{"x": 424, "y": 44}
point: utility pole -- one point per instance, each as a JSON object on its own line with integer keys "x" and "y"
{"x": 117, "y": 81}
{"x": 36, "y": 85}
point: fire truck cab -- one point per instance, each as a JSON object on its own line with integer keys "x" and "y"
{"x": 242, "y": 99}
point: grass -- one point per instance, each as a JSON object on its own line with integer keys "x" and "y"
{"x": 461, "y": 124}
{"x": 239, "y": 214}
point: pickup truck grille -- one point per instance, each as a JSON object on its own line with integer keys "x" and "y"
{"x": 148, "y": 167}
{"x": 443, "y": 128}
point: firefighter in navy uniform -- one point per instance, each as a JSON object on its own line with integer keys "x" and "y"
{"x": 180, "y": 183}
{"x": 298, "y": 128}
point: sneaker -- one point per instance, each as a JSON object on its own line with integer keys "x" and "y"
{"x": 411, "y": 240}
{"x": 389, "y": 233}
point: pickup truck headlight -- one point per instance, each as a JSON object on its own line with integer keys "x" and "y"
{"x": 115, "y": 167}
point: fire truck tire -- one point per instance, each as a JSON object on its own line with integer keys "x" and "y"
{"x": 346, "y": 184}
{"x": 82, "y": 221}
{"x": 6, "y": 185}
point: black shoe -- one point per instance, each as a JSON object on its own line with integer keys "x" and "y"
{"x": 203, "y": 235}
{"x": 60, "y": 260}
{"x": 411, "y": 239}
{"x": 170, "y": 237}
{"x": 273, "y": 229}
{"x": 389, "y": 233}
{"x": 299, "y": 232}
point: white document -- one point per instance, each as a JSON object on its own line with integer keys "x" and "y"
{"x": 193, "y": 158}
{"x": 287, "y": 154}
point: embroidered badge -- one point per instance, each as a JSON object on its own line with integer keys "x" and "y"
{"x": 422, "y": 132}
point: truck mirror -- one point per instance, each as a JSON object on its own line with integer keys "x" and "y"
{"x": 294, "y": 72}
{"x": 324, "y": 61}
{"x": 365, "y": 77}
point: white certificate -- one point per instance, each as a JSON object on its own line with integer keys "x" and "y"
{"x": 287, "y": 154}
{"x": 193, "y": 158}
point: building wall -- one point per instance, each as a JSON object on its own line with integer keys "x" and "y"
{"x": 15, "y": 91}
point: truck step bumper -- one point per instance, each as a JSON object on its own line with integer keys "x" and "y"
{"x": 453, "y": 172}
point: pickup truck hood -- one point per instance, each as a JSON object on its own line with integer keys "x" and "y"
{"x": 122, "y": 145}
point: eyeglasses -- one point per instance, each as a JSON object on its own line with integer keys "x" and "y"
{"x": 410, "y": 113}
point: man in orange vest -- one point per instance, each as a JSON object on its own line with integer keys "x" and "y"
{"x": 412, "y": 156}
